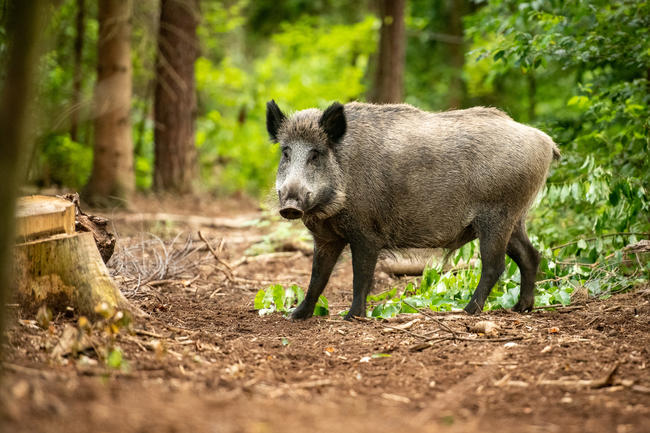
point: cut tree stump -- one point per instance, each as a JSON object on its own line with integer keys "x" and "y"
{"x": 97, "y": 225}
{"x": 61, "y": 268}
{"x": 38, "y": 216}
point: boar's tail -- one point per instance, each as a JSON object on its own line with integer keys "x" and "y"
{"x": 549, "y": 141}
{"x": 556, "y": 153}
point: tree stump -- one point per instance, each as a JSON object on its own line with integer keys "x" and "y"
{"x": 60, "y": 267}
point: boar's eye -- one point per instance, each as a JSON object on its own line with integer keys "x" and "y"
{"x": 314, "y": 156}
{"x": 285, "y": 153}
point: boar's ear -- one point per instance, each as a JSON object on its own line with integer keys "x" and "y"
{"x": 333, "y": 122}
{"x": 274, "y": 119}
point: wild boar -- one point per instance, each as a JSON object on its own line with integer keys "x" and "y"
{"x": 387, "y": 177}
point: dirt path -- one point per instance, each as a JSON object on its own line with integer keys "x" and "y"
{"x": 205, "y": 361}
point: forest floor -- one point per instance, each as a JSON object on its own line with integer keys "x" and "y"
{"x": 205, "y": 361}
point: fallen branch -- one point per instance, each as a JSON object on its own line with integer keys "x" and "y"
{"x": 26, "y": 370}
{"x": 430, "y": 342}
{"x": 601, "y": 382}
{"x": 595, "y": 238}
{"x": 194, "y": 220}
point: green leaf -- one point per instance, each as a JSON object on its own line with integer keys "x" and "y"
{"x": 259, "y": 303}
{"x": 278, "y": 294}
{"x": 321, "y": 308}
{"x": 115, "y": 359}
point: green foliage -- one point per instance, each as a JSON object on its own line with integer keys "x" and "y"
{"x": 284, "y": 300}
{"x": 562, "y": 271}
{"x": 305, "y": 64}
{"x": 63, "y": 162}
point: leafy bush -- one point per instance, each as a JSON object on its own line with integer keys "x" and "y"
{"x": 62, "y": 161}
{"x": 306, "y": 64}
{"x": 277, "y": 298}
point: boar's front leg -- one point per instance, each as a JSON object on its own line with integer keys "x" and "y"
{"x": 325, "y": 255}
{"x": 364, "y": 260}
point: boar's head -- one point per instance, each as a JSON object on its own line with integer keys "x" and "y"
{"x": 309, "y": 180}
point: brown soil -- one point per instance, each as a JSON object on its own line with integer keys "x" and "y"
{"x": 205, "y": 361}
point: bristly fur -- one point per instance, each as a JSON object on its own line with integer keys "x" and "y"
{"x": 303, "y": 126}
{"x": 390, "y": 177}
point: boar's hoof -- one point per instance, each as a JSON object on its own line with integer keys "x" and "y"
{"x": 291, "y": 213}
{"x": 523, "y": 306}
{"x": 302, "y": 313}
{"x": 473, "y": 308}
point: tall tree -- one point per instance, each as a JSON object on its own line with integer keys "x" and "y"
{"x": 457, "y": 91}
{"x": 78, "y": 51}
{"x": 112, "y": 178}
{"x": 24, "y": 24}
{"x": 389, "y": 78}
{"x": 175, "y": 98}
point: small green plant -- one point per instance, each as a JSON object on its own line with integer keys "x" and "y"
{"x": 109, "y": 326}
{"x": 284, "y": 300}
{"x": 563, "y": 269}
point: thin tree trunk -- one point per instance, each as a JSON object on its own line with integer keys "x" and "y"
{"x": 175, "y": 100}
{"x": 24, "y": 24}
{"x": 389, "y": 79}
{"x": 78, "y": 51}
{"x": 456, "y": 53}
{"x": 112, "y": 178}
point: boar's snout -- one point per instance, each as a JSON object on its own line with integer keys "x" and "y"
{"x": 291, "y": 210}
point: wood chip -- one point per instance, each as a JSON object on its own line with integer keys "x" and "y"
{"x": 485, "y": 327}
{"x": 395, "y": 397}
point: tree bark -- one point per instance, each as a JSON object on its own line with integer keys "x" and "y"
{"x": 112, "y": 179}
{"x": 65, "y": 270}
{"x": 77, "y": 80}
{"x": 24, "y": 24}
{"x": 389, "y": 79}
{"x": 175, "y": 100}
{"x": 457, "y": 10}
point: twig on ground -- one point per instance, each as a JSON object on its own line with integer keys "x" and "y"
{"x": 434, "y": 318}
{"x": 600, "y": 382}
{"x": 430, "y": 342}
{"x": 228, "y": 271}
{"x": 560, "y": 307}
{"x": 148, "y": 333}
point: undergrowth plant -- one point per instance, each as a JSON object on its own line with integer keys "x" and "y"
{"x": 563, "y": 270}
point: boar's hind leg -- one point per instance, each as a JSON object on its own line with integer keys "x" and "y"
{"x": 493, "y": 236}
{"x": 527, "y": 258}
{"x": 364, "y": 260}
{"x": 325, "y": 256}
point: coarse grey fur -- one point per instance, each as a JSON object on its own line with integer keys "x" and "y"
{"x": 383, "y": 177}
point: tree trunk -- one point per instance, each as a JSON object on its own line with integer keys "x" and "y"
{"x": 65, "y": 270}
{"x": 389, "y": 79}
{"x": 24, "y": 24}
{"x": 175, "y": 100}
{"x": 56, "y": 266}
{"x": 78, "y": 51}
{"x": 112, "y": 179}
{"x": 457, "y": 10}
